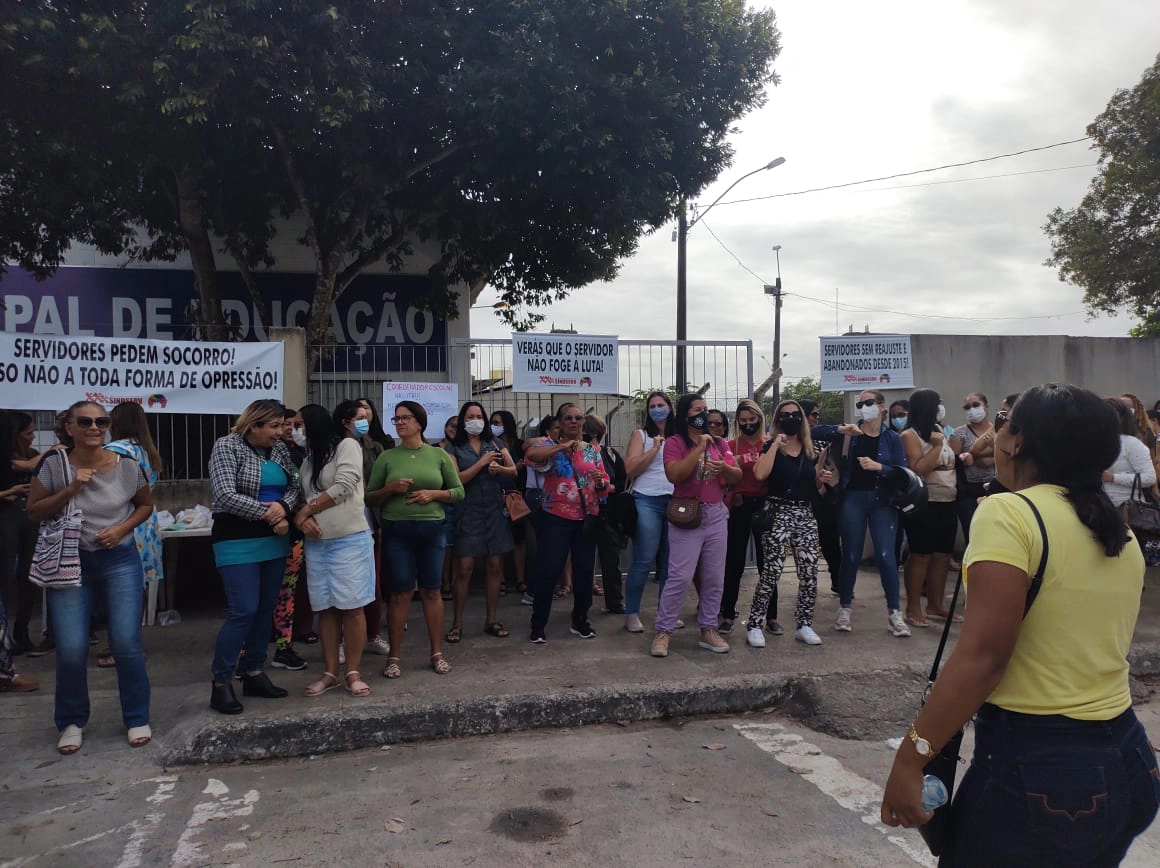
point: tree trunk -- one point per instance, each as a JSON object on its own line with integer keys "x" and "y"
{"x": 208, "y": 318}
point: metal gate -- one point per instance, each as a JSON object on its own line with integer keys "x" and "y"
{"x": 724, "y": 369}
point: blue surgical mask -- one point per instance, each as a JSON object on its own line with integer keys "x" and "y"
{"x": 899, "y": 422}
{"x": 497, "y": 430}
{"x": 658, "y": 414}
{"x": 362, "y": 427}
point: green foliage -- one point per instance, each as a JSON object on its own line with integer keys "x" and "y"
{"x": 524, "y": 143}
{"x": 1148, "y": 327}
{"x": 1110, "y": 244}
{"x": 808, "y": 388}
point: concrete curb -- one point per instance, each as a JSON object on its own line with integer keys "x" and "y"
{"x": 350, "y": 729}
{"x": 1144, "y": 659}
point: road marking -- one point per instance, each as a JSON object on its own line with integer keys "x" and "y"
{"x": 851, "y": 791}
{"x": 189, "y": 850}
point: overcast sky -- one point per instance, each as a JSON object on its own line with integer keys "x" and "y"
{"x": 875, "y": 89}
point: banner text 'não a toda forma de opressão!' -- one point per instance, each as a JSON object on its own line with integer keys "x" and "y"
{"x": 50, "y": 373}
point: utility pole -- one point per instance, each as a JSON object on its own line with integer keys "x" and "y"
{"x": 682, "y": 285}
{"x": 775, "y": 291}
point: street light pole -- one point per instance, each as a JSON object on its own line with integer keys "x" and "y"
{"x": 775, "y": 291}
{"x": 681, "y": 236}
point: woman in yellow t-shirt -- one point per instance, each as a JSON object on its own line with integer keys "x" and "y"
{"x": 1063, "y": 773}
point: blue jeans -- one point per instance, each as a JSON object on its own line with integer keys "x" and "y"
{"x": 1052, "y": 790}
{"x": 556, "y": 539}
{"x": 114, "y": 577}
{"x": 413, "y": 554}
{"x": 650, "y": 548}
{"x": 858, "y": 509}
{"x": 251, "y": 595}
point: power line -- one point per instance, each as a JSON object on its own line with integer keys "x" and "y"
{"x": 908, "y": 174}
{"x": 731, "y": 253}
{"x": 978, "y": 178}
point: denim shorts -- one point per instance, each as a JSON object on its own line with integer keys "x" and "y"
{"x": 413, "y": 555}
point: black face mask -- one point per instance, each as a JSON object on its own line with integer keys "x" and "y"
{"x": 750, "y": 429}
{"x": 699, "y": 421}
{"x": 790, "y": 427}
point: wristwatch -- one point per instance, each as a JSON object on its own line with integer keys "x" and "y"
{"x": 921, "y": 745}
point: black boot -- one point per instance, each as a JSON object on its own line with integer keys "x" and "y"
{"x": 261, "y": 685}
{"x": 222, "y": 699}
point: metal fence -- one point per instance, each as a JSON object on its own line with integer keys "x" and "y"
{"x": 724, "y": 369}
{"x": 344, "y": 372}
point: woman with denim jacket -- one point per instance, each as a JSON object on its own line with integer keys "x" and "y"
{"x": 256, "y": 491}
{"x": 874, "y": 451}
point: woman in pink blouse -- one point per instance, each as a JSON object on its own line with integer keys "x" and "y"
{"x": 700, "y": 466}
{"x": 574, "y": 480}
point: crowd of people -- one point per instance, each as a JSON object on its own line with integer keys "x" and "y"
{"x": 321, "y": 517}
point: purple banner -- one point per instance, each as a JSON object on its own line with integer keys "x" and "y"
{"x": 377, "y": 314}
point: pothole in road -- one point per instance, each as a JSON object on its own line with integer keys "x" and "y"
{"x": 557, "y": 794}
{"x": 870, "y": 706}
{"x": 528, "y": 824}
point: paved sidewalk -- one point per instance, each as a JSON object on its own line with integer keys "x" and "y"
{"x": 495, "y": 685}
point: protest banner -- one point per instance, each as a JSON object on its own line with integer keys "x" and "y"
{"x": 851, "y": 363}
{"x": 565, "y": 363}
{"x": 440, "y": 400}
{"x": 52, "y": 372}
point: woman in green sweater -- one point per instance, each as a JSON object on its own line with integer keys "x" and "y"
{"x": 409, "y": 486}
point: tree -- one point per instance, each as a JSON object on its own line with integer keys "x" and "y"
{"x": 807, "y": 388}
{"x": 1110, "y": 244}
{"x": 529, "y": 142}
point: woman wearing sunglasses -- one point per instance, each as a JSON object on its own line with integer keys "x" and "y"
{"x": 788, "y": 468}
{"x": 114, "y": 497}
{"x": 872, "y": 454}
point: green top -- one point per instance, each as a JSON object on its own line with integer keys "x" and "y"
{"x": 430, "y": 467}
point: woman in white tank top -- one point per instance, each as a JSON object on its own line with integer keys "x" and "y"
{"x": 651, "y": 491}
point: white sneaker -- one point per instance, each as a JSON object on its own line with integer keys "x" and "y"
{"x": 755, "y": 638}
{"x": 898, "y": 627}
{"x": 341, "y": 653}
{"x": 680, "y": 624}
{"x": 632, "y": 624}
{"x": 807, "y": 635}
{"x": 843, "y": 624}
{"x": 380, "y": 646}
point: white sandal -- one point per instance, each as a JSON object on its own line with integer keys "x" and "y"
{"x": 71, "y": 739}
{"x": 139, "y": 736}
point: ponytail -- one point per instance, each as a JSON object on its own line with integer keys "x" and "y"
{"x": 1096, "y": 513}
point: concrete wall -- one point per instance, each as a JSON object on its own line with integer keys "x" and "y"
{"x": 997, "y": 365}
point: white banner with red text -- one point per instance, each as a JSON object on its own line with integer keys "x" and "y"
{"x": 51, "y": 372}
{"x": 565, "y": 363}
{"x": 851, "y": 363}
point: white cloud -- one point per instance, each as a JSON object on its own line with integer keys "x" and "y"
{"x": 873, "y": 89}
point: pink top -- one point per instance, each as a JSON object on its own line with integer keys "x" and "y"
{"x": 561, "y": 492}
{"x": 708, "y": 489}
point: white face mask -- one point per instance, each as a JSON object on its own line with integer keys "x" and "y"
{"x": 298, "y": 435}
{"x": 941, "y": 414}
{"x": 474, "y": 427}
{"x": 976, "y": 415}
{"x": 869, "y": 413}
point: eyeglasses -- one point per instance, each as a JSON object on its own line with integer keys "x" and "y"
{"x": 571, "y": 418}
{"x": 399, "y": 420}
{"x": 716, "y": 423}
{"x": 814, "y": 415}
{"x": 789, "y": 417}
{"x": 101, "y": 422}
{"x": 866, "y": 403}
{"x": 973, "y": 405}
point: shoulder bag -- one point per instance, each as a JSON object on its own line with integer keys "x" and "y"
{"x": 685, "y": 512}
{"x": 944, "y": 765}
{"x": 56, "y": 560}
{"x": 1141, "y": 513}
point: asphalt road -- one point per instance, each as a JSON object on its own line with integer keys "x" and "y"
{"x": 739, "y": 790}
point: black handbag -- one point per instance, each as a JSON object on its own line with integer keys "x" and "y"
{"x": 1140, "y": 512}
{"x": 945, "y": 764}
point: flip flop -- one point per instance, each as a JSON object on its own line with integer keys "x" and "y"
{"x": 497, "y": 629}
{"x": 106, "y": 660}
{"x": 914, "y": 623}
{"x": 71, "y": 739}
{"x": 454, "y": 635}
{"x": 139, "y": 736}
{"x": 958, "y": 619}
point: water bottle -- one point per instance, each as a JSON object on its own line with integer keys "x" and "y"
{"x": 934, "y": 793}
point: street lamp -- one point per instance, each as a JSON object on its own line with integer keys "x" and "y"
{"x": 499, "y": 305}
{"x": 682, "y": 237}
{"x": 775, "y": 291}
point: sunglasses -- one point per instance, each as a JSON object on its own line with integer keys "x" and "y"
{"x": 399, "y": 420}
{"x": 814, "y": 415}
{"x": 789, "y": 417}
{"x": 973, "y": 405}
{"x": 571, "y": 418}
{"x": 101, "y": 422}
{"x": 866, "y": 403}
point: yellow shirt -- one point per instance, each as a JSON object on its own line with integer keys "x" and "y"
{"x": 1071, "y": 654}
